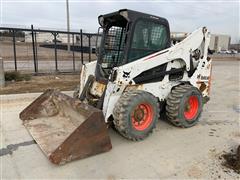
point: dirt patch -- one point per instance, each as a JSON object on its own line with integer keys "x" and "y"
{"x": 232, "y": 159}
{"x": 42, "y": 83}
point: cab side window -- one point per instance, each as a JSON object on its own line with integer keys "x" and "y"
{"x": 149, "y": 37}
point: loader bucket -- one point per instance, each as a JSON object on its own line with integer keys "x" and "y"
{"x": 66, "y": 128}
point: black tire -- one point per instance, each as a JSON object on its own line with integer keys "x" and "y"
{"x": 178, "y": 107}
{"x": 146, "y": 110}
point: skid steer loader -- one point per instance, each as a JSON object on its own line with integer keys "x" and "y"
{"x": 138, "y": 74}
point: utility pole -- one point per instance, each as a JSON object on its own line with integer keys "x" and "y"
{"x": 68, "y": 26}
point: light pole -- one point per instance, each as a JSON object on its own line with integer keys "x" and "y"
{"x": 68, "y": 26}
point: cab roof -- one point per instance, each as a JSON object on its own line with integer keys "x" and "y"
{"x": 122, "y": 16}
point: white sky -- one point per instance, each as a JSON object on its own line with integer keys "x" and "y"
{"x": 221, "y": 17}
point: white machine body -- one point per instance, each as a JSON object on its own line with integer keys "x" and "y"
{"x": 180, "y": 55}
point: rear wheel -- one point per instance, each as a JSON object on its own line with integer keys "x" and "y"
{"x": 184, "y": 106}
{"x": 136, "y": 114}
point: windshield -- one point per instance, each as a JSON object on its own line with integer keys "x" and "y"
{"x": 148, "y": 38}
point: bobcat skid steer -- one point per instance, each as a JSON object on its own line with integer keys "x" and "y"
{"x": 138, "y": 74}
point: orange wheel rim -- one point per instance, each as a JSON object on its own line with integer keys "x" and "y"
{"x": 191, "y": 108}
{"x": 142, "y": 116}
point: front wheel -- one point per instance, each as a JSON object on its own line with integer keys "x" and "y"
{"x": 136, "y": 114}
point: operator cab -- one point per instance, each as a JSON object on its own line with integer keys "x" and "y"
{"x": 127, "y": 36}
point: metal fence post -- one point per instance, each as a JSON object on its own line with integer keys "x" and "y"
{"x": 73, "y": 51}
{"x": 14, "y": 49}
{"x": 36, "y": 49}
{"x": 55, "y": 48}
{"x": 2, "y": 77}
{"x": 33, "y": 48}
{"x": 90, "y": 48}
{"x": 81, "y": 35}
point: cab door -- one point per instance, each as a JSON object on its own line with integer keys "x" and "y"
{"x": 149, "y": 36}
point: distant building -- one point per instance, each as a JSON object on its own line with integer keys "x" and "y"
{"x": 41, "y": 37}
{"x": 6, "y": 35}
{"x": 219, "y": 42}
{"x": 177, "y": 37}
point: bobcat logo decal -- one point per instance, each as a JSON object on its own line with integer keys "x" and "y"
{"x": 126, "y": 74}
